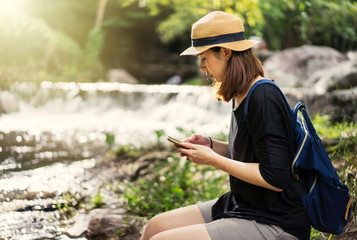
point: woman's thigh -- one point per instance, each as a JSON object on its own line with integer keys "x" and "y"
{"x": 181, "y": 217}
{"x": 191, "y": 232}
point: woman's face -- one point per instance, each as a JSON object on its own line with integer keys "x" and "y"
{"x": 214, "y": 64}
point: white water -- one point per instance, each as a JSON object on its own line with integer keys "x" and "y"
{"x": 133, "y": 112}
{"x": 53, "y": 132}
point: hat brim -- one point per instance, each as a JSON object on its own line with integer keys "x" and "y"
{"x": 236, "y": 46}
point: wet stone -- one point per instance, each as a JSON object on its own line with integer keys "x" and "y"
{"x": 112, "y": 224}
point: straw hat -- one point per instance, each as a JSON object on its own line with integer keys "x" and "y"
{"x": 218, "y": 29}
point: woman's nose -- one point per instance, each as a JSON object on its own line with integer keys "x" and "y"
{"x": 203, "y": 68}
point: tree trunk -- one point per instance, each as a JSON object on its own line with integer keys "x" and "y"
{"x": 100, "y": 14}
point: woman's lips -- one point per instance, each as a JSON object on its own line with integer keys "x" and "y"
{"x": 209, "y": 75}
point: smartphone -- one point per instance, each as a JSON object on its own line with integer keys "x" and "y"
{"x": 176, "y": 142}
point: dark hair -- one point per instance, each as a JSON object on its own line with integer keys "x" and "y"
{"x": 243, "y": 67}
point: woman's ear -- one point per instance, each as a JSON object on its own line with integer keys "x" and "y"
{"x": 226, "y": 53}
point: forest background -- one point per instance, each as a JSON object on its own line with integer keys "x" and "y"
{"x": 66, "y": 40}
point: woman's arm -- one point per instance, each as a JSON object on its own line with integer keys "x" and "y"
{"x": 220, "y": 147}
{"x": 248, "y": 172}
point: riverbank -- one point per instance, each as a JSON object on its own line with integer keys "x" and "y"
{"x": 144, "y": 182}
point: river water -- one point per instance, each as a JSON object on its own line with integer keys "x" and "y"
{"x": 52, "y": 134}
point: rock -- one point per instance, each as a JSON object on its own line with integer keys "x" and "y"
{"x": 295, "y": 95}
{"x": 341, "y": 76}
{"x": 80, "y": 226}
{"x": 122, "y": 76}
{"x": 112, "y": 224}
{"x": 340, "y": 104}
{"x": 140, "y": 167}
{"x": 291, "y": 67}
{"x": 352, "y": 56}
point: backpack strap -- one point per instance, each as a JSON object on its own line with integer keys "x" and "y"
{"x": 312, "y": 132}
{"x": 301, "y": 107}
{"x": 262, "y": 81}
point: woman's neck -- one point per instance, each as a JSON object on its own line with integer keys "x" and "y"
{"x": 239, "y": 98}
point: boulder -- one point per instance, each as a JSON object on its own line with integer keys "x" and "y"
{"x": 291, "y": 67}
{"x": 352, "y": 56}
{"x": 341, "y": 76}
{"x": 107, "y": 224}
{"x": 340, "y": 104}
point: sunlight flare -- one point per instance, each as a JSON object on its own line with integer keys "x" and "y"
{"x": 10, "y": 7}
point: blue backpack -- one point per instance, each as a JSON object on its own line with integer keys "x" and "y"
{"x": 327, "y": 202}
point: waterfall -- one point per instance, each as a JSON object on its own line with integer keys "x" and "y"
{"x": 122, "y": 108}
{"x": 53, "y": 122}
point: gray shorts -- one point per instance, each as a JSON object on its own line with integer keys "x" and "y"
{"x": 239, "y": 229}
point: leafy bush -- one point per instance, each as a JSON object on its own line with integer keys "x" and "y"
{"x": 174, "y": 184}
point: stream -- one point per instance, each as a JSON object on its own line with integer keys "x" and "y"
{"x": 52, "y": 134}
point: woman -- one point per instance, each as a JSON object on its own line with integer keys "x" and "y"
{"x": 262, "y": 203}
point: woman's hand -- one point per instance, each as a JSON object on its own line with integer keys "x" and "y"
{"x": 198, "y": 153}
{"x": 198, "y": 139}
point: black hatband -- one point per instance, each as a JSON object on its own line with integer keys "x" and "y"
{"x": 230, "y": 37}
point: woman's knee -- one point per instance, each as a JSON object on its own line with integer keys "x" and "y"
{"x": 156, "y": 223}
{"x": 173, "y": 219}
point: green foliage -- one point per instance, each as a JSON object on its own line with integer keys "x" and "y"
{"x": 56, "y": 41}
{"x": 185, "y": 12}
{"x": 315, "y": 235}
{"x": 94, "y": 46}
{"x": 222, "y": 136}
{"x": 159, "y": 134}
{"x": 97, "y": 200}
{"x": 68, "y": 204}
{"x": 127, "y": 149}
{"x": 325, "y": 127}
{"x": 194, "y": 81}
{"x": 184, "y": 131}
{"x": 129, "y": 225}
{"x": 38, "y": 38}
{"x": 282, "y": 24}
{"x": 109, "y": 139}
{"x": 290, "y": 23}
{"x": 174, "y": 184}
{"x": 42, "y": 44}
{"x": 346, "y": 135}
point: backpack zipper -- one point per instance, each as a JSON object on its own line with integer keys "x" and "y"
{"x": 313, "y": 184}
